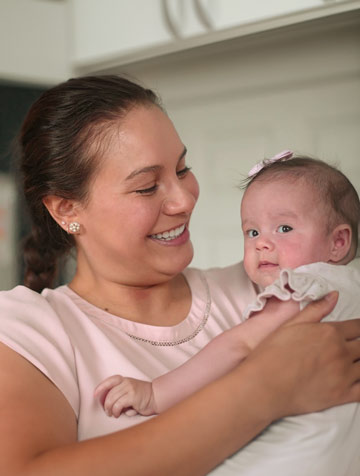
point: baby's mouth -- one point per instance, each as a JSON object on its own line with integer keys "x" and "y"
{"x": 267, "y": 265}
{"x": 170, "y": 234}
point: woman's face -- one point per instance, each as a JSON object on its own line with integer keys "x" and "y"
{"x": 134, "y": 228}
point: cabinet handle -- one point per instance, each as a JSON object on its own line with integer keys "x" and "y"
{"x": 174, "y": 24}
{"x": 170, "y": 21}
{"x": 203, "y": 14}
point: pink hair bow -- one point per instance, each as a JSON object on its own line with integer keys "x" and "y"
{"x": 282, "y": 156}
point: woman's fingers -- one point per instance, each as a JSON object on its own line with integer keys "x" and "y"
{"x": 354, "y": 350}
{"x": 310, "y": 366}
{"x": 316, "y": 310}
{"x": 350, "y": 329}
{"x": 354, "y": 395}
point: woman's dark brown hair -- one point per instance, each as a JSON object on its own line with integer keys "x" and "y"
{"x": 62, "y": 133}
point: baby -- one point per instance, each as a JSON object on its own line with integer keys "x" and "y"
{"x": 295, "y": 211}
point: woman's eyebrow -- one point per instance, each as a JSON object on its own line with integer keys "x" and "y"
{"x": 144, "y": 170}
{"x": 183, "y": 153}
{"x": 152, "y": 168}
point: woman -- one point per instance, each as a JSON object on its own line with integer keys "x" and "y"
{"x": 105, "y": 170}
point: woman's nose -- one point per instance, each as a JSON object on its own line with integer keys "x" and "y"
{"x": 181, "y": 199}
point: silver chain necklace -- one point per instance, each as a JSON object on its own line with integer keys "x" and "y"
{"x": 165, "y": 343}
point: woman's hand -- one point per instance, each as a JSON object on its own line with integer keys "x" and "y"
{"x": 309, "y": 366}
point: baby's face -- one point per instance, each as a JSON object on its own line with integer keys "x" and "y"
{"x": 284, "y": 226}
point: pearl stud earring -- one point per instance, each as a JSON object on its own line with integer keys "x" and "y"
{"x": 74, "y": 227}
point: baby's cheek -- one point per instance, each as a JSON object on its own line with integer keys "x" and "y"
{"x": 247, "y": 263}
{"x": 268, "y": 279}
{"x": 291, "y": 256}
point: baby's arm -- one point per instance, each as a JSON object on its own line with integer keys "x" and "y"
{"x": 222, "y": 354}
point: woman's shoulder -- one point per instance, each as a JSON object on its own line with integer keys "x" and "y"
{"x": 23, "y": 311}
{"x": 229, "y": 286}
{"x": 224, "y": 277}
{"x": 23, "y": 301}
{"x": 21, "y": 298}
{"x": 31, "y": 326}
{"x": 229, "y": 273}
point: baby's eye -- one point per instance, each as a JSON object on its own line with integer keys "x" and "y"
{"x": 252, "y": 233}
{"x": 284, "y": 228}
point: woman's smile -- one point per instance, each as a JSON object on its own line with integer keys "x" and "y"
{"x": 169, "y": 234}
{"x": 175, "y": 236}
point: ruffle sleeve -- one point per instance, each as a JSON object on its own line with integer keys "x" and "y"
{"x": 292, "y": 284}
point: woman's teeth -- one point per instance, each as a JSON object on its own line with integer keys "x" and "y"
{"x": 169, "y": 235}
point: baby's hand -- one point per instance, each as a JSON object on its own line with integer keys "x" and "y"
{"x": 119, "y": 394}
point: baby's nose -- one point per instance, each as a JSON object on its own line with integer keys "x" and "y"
{"x": 264, "y": 243}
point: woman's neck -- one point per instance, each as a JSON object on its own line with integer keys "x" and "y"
{"x": 163, "y": 304}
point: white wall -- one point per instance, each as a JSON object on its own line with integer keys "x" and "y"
{"x": 8, "y": 251}
{"x": 34, "y": 41}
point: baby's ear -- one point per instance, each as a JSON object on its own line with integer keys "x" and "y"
{"x": 341, "y": 244}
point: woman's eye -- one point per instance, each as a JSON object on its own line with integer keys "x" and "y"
{"x": 284, "y": 229}
{"x": 147, "y": 191}
{"x": 183, "y": 172}
{"x": 252, "y": 233}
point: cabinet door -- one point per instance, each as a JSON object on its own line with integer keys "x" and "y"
{"x": 108, "y": 28}
{"x": 229, "y": 13}
{"x": 187, "y": 18}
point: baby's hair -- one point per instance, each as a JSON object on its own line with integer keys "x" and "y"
{"x": 340, "y": 199}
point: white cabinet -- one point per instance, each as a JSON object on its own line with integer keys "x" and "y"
{"x": 106, "y": 28}
{"x": 117, "y": 32}
{"x": 229, "y": 13}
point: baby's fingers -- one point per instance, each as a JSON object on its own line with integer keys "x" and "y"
{"x": 105, "y": 386}
{"x": 117, "y": 400}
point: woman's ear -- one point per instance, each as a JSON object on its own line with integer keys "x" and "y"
{"x": 62, "y": 210}
{"x": 340, "y": 244}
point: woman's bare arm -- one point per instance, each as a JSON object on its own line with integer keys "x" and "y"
{"x": 38, "y": 427}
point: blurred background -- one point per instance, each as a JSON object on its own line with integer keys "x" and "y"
{"x": 241, "y": 79}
